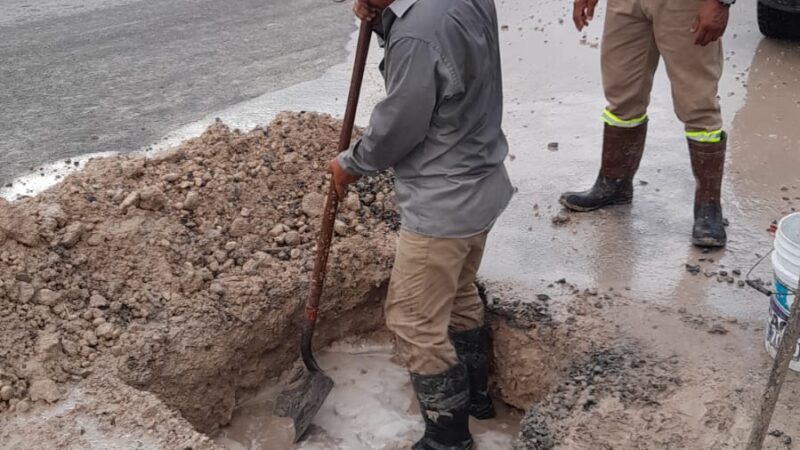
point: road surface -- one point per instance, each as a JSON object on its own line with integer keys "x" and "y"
{"x": 92, "y": 76}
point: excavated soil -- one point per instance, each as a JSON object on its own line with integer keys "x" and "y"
{"x": 183, "y": 275}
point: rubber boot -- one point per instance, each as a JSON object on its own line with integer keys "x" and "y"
{"x": 472, "y": 347}
{"x": 708, "y": 165}
{"x": 622, "y": 153}
{"x": 444, "y": 403}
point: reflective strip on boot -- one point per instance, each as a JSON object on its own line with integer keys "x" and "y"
{"x": 705, "y": 137}
{"x": 614, "y": 121}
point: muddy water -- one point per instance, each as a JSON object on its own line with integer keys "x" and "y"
{"x": 370, "y": 408}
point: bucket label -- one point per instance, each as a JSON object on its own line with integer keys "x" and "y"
{"x": 773, "y": 335}
{"x": 782, "y": 294}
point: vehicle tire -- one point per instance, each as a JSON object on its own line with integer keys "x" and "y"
{"x": 778, "y": 24}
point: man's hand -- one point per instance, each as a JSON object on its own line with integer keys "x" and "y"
{"x": 340, "y": 178}
{"x": 364, "y": 11}
{"x": 583, "y": 13}
{"x": 710, "y": 23}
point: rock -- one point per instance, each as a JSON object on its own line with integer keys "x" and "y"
{"x": 295, "y": 253}
{"x": 717, "y": 329}
{"x": 560, "y": 218}
{"x": 26, "y": 292}
{"x": 55, "y": 213}
{"x": 340, "y": 228}
{"x": 47, "y": 297}
{"x": 105, "y": 330}
{"x": 44, "y": 389}
{"x": 23, "y": 406}
{"x": 192, "y": 201}
{"x": 90, "y": 337}
{"x": 277, "y": 230}
{"x": 292, "y": 238}
{"x": 19, "y": 227}
{"x": 217, "y": 288}
{"x": 152, "y": 199}
{"x": 171, "y": 177}
{"x": 6, "y": 392}
{"x": 250, "y": 266}
{"x": 352, "y": 202}
{"x": 48, "y": 345}
{"x": 313, "y": 204}
{"x": 95, "y": 239}
{"x": 239, "y": 227}
{"x": 97, "y": 301}
{"x": 131, "y": 200}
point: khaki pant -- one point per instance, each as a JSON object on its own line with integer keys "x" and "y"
{"x": 432, "y": 290}
{"x": 636, "y": 34}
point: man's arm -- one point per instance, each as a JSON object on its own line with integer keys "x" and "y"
{"x": 401, "y": 120}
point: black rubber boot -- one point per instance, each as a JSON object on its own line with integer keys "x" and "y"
{"x": 622, "y": 153}
{"x": 444, "y": 403}
{"x": 708, "y": 165}
{"x": 472, "y": 347}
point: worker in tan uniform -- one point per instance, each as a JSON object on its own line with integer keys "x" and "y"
{"x": 439, "y": 129}
{"x": 637, "y": 34}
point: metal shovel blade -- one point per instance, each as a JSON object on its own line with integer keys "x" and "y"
{"x": 302, "y": 399}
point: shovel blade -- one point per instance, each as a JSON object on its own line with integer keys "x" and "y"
{"x": 302, "y": 399}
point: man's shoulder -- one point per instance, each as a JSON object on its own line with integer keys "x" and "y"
{"x": 424, "y": 21}
{"x": 433, "y": 21}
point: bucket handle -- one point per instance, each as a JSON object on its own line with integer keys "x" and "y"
{"x": 760, "y": 286}
{"x": 752, "y": 283}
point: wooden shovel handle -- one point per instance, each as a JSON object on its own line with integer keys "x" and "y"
{"x": 332, "y": 200}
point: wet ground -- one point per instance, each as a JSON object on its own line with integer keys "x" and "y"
{"x": 711, "y": 327}
{"x": 371, "y": 407}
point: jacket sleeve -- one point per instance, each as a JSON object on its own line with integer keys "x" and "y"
{"x": 400, "y": 121}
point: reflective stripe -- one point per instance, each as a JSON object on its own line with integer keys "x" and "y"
{"x": 709, "y": 137}
{"x": 614, "y": 121}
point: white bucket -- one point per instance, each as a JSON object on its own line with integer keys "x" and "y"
{"x": 786, "y": 260}
{"x": 786, "y": 265}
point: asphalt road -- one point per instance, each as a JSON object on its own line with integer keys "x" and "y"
{"x": 85, "y": 76}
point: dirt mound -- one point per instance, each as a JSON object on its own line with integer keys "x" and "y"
{"x": 186, "y": 271}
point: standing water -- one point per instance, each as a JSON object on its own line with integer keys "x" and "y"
{"x": 371, "y": 407}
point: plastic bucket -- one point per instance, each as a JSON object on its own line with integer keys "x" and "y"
{"x": 773, "y": 333}
{"x": 786, "y": 266}
{"x": 786, "y": 260}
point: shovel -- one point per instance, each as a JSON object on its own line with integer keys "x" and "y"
{"x": 305, "y": 394}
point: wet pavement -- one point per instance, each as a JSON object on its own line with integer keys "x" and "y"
{"x": 553, "y": 94}
{"x": 87, "y": 76}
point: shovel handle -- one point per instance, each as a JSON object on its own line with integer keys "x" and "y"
{"x": 332, "y": 199}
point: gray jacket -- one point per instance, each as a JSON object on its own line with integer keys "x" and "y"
{"x": 439, "y": 126}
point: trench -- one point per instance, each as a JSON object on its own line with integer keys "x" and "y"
{"x": 372, "y": 405}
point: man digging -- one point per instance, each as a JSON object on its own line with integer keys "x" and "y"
{"x": 439, "y": 129}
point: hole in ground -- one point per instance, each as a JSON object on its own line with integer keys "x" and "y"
{"x": 371, "y": 407}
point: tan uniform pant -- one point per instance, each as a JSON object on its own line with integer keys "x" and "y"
{"x": 636, "y": 34}
{"x": 432, "y": 290}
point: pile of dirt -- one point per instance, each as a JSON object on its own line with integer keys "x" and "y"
{"x": 184, "y": 273}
